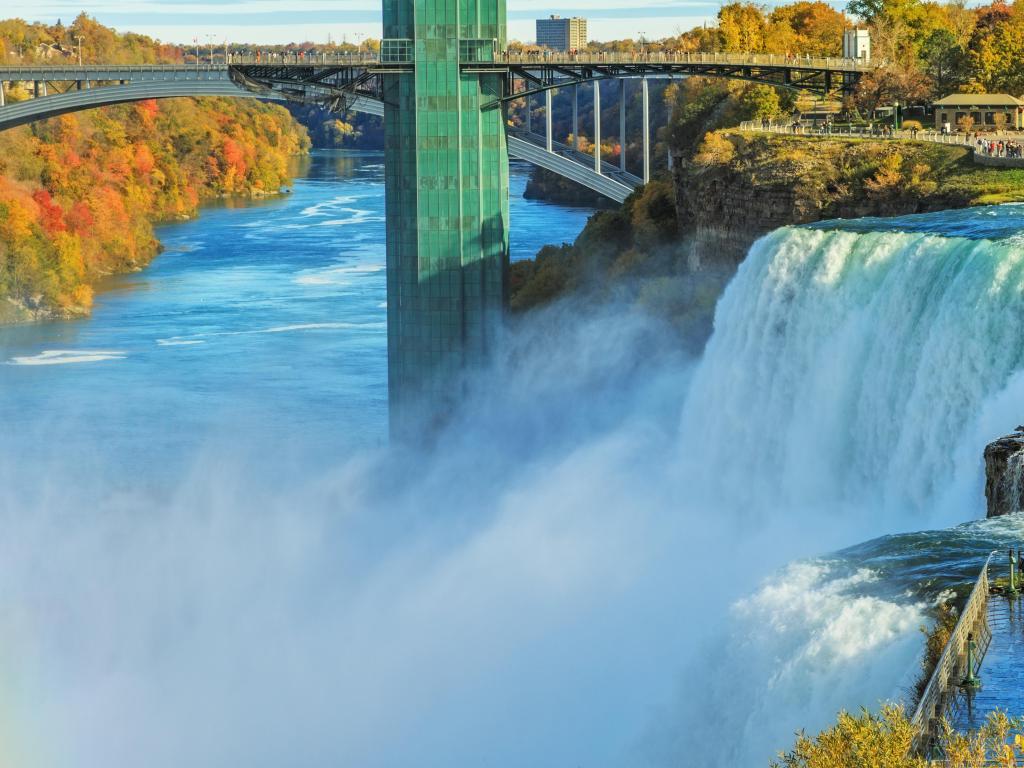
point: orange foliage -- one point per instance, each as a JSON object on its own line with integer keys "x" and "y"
{"x": 144, "y": 161}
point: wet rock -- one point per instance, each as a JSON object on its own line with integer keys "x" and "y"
{"x": 1004, "y": 466}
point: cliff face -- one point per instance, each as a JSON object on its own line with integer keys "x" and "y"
{"x": 1004, "y": 466}
{"x": 739, "y": 186}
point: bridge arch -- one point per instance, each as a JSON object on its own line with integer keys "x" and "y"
{"x": 25, "y": 112}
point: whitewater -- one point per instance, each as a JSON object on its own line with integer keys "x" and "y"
{"x": 617, "y": 555}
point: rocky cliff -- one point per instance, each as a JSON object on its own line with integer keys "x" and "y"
{"x": 738, "y": 186}
{"x": 675, "y": 244}
{"x": 1004, "y": 465}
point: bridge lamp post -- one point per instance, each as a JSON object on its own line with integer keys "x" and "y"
{"x": 210, "y": 37}
{"x": 79, "y": 39}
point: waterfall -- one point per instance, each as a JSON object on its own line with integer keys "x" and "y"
{"x": 606, "y": 524}
{"x": 1014, "y": 476}
{"x": 854, "y": 377}
{"x": 847, "y": 369}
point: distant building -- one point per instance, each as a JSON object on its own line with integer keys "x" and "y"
{"x": 560, "y": 34}
{"x": 982, "y": 108}
{"x": 856, "y": 44}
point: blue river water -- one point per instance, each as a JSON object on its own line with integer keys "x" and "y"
{"x": 193, "y": 561}
{"x": 267, "y": 314}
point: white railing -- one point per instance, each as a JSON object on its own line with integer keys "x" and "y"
{"x": 204, "y": 63}
{"x": 1003, "y": 148}
{"x": 950, "y": 667}
{"x": 680, "y": 57}
{"x": 219, "y": 60}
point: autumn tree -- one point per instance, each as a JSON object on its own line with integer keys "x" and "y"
{"x": 887, "y": 85}
{"x": 742, "y": 27}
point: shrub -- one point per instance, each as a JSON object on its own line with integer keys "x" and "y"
{"x": 857, "y": 741}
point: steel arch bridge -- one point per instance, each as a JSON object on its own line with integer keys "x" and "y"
{"x": 355, "y": 83}
{"x": 443, "y": 97}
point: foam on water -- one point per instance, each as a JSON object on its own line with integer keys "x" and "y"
{"x": 69, "y": 357}
{"x": 623, "y": 562}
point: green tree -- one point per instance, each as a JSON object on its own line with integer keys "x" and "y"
{"x": 759, "y": 102}
{"x": 945, "y": 61}
{"x": 866, "y": 10}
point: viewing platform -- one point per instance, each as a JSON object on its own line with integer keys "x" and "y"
{"x": 985, "y": 153}
{"x": 981, "y": 668}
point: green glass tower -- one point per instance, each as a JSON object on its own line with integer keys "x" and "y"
{"x": 446, "y": 171}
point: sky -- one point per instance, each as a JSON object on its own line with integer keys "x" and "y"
{"x": 284, "y": 21}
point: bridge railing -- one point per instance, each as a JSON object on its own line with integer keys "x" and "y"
{"x": 951, "y": 667}
{"x": 220, "y": 61}
{"x": 680, "y": 57}
{"x": 217, "y": 65}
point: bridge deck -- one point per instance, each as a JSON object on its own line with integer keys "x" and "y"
{"x": 1002, "y": 669}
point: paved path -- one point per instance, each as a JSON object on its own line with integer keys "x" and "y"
{"x": 1002, "y": 669}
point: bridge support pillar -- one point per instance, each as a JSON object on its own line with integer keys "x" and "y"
{"x": 575, "y": 117}
{"x": 622, "y": 125}
{"x": 646, "y": 130}
{"x": 529, "y": 116}
{"x": 597, "y": 126}
{"x": 547, "y": 119}
{"x": 446, "y": 192}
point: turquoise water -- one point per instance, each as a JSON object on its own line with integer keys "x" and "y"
{"x": 635, "y": 558}
{"x": 265, "y": 316}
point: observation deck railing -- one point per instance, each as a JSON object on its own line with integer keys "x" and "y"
{"x": 951, "y": 668}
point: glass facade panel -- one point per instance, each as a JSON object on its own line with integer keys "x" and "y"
{"x": 396, "y": 51}
{"x": 447, "y": 202}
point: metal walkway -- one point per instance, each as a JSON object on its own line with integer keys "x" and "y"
{"x": 1002, "y": 667}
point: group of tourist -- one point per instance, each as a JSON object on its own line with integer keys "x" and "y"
{"x": 998, "y": 148}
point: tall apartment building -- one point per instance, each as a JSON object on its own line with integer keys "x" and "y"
{"x": 560, "y": 34}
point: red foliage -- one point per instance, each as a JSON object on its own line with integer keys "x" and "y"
{"x": 51, "y": 215}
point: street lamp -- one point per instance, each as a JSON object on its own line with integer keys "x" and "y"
{"x": 210, "y": 37}
{"x": 79, "y": 38}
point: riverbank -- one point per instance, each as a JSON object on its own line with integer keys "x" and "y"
{"x": 80, "y": 195}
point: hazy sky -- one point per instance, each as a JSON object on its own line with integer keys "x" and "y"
{"x": 282, "y": 21}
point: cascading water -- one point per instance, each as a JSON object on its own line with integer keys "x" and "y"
{"x": 1015, "y": 481}
{"x": 848, "y": 368}
{"x": 592, "y": 569}
{"x": 856, "y": 373}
